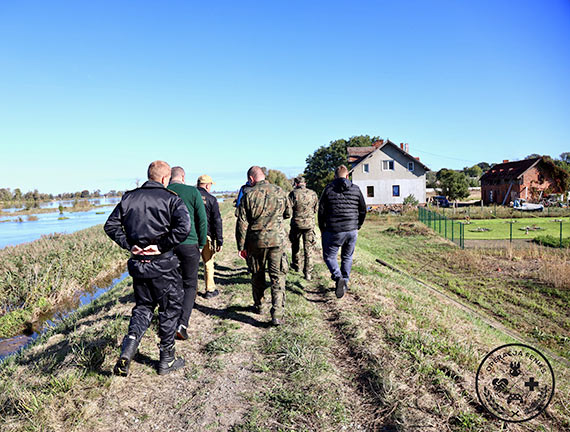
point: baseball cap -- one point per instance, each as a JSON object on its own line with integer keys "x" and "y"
{"x": 205, "y": 179}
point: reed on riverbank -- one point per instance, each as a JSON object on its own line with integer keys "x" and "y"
{"x": 36, "y": 277}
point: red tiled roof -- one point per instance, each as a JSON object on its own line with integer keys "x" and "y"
{"x": 509, "y": 170}
{"x": 360, "y": 151}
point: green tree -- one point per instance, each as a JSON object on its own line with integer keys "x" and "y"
{"x": 17, "y": 194}
{"x": 474, "y": 171}
{"x": 454, "y": 184}
{"x": 431, "y": 179}
{"x": 280, "y": 179}
{"x": 322, "y": 163}
{"x": 565, "y": 157}
{"x": 533, "y": 156}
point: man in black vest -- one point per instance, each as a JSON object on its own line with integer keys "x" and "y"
{"x": 149, "y": 222}
{"x": 342, "y": 210}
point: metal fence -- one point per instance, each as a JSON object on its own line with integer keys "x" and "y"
{"x": 448, "y": 228}
{"x": 498, "y": 232}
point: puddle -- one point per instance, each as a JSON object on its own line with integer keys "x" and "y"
{"x": 12, "y": 345}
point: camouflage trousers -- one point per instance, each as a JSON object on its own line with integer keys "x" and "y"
{"x": 274, "y": 261}
{"x": 308, "y": 237}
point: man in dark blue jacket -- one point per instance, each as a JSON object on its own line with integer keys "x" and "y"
{"x": 342, "y": 210}
{"x": 149, "y": 222}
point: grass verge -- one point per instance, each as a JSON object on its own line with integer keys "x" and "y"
{"x": 38, "y": 276}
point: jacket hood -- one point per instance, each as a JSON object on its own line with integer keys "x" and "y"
{"x": 341, "y": 184}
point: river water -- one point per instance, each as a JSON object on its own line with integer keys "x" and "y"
{"x": 12, "y": 345}
{"x": 13, "y": 232}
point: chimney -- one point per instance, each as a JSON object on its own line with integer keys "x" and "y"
{"x": 417, "y": 158}
{"x": 406, "y": 148}
{"x": 505, "y": 160}
{"x": 401, "y": 146}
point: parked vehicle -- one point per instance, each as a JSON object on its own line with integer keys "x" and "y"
{"x": 521, "y": 204}
{"x": 441, "y": 201}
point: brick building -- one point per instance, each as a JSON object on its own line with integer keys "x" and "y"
{"x": 530, "y": 179}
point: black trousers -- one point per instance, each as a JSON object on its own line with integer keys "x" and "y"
{"x": 189, "y": 257}
{"x": 164, "y": 291}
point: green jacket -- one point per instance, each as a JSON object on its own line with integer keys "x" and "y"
{"x": 260, "y": 216}
{"x": 198, "y": 221}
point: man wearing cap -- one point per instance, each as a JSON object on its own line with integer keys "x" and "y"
{"x": 188, "y": 251}
{"x": 215, "y": 233}
{"x": 304, "y": 204}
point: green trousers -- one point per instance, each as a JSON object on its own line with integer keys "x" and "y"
{"x": 274, "y": 261}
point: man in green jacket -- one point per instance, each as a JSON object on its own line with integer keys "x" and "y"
{"x": 188, "y": 251}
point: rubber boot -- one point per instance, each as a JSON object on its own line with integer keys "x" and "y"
{"x": 168, "y": 361}
{"x": 128, "y": 351}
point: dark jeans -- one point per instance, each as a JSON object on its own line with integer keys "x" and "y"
{"x": 189, "y": 256}
{"x": 332, "y": 241}
{"x": 164, "y": 291}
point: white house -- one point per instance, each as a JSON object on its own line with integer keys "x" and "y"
{"x": 387, "y": 173}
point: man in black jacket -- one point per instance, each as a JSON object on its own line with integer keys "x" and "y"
{"x": 150, "y": 221}
{"x": 215, "y": 233}
{"x": 342, "y": 210}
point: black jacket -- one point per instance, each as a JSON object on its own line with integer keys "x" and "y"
{"x": 149, "y": 215}
{"x": 341, "y": 207}
{"x": 215, "y": 230}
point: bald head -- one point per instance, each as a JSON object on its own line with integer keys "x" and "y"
{"x": 341, "y": 172}
{"x": 255, "y": 174}
{"x": 159, "y": 171}
{"x": 178, "y": 174}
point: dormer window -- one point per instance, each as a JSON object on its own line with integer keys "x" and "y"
{"x": 366, "y": 168}
{"x": 410, "y": 166}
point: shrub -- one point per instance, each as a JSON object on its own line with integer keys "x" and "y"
{"x": 411, "y": 200}
{"x": 548, "y": 240}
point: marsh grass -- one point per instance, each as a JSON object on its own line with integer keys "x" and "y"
{"x": 53, "y": 381}
{"x": 35, "y": 277}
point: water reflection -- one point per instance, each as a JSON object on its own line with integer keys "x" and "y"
{"x": 13, "y": 233}
{"x": 12, "y": 345}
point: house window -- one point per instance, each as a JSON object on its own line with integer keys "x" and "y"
{"x": 370, "y": 191}
{"x": 388, "y": 165}
{"x": 366, "y": 168}
{"x": 396, "y": 190}
{"x": 410, "y": 166}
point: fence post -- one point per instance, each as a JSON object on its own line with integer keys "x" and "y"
{"x": 452, "y": 229}
{"x": 560, "y": 233}
{"x": 445, "y": 227}
{"x": 439, "y": 217}
{"x": 462, "y": 236}
{"x": 511, "y": 238}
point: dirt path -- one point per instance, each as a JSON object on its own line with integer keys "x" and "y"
{"x": 386, "y": 357}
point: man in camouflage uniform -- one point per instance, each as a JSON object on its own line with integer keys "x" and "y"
{"x": 260, "y": 237}
{"x": 304, "y": 204}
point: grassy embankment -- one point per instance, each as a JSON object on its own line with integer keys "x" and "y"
{"x": 389, "y": 356}
{"x": 37, "y": 277}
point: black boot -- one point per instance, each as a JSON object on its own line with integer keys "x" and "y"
{"x": 128, "y": 351}
{"x": 168, "y": 362}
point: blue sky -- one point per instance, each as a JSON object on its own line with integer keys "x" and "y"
{"x": 91, "y": 92}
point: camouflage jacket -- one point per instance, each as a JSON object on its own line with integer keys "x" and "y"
{"x": 304, "y": 203}
{"x": 260, "y": 216}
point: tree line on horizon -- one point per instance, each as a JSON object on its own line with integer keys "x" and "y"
{"x": 12, "y": 196}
